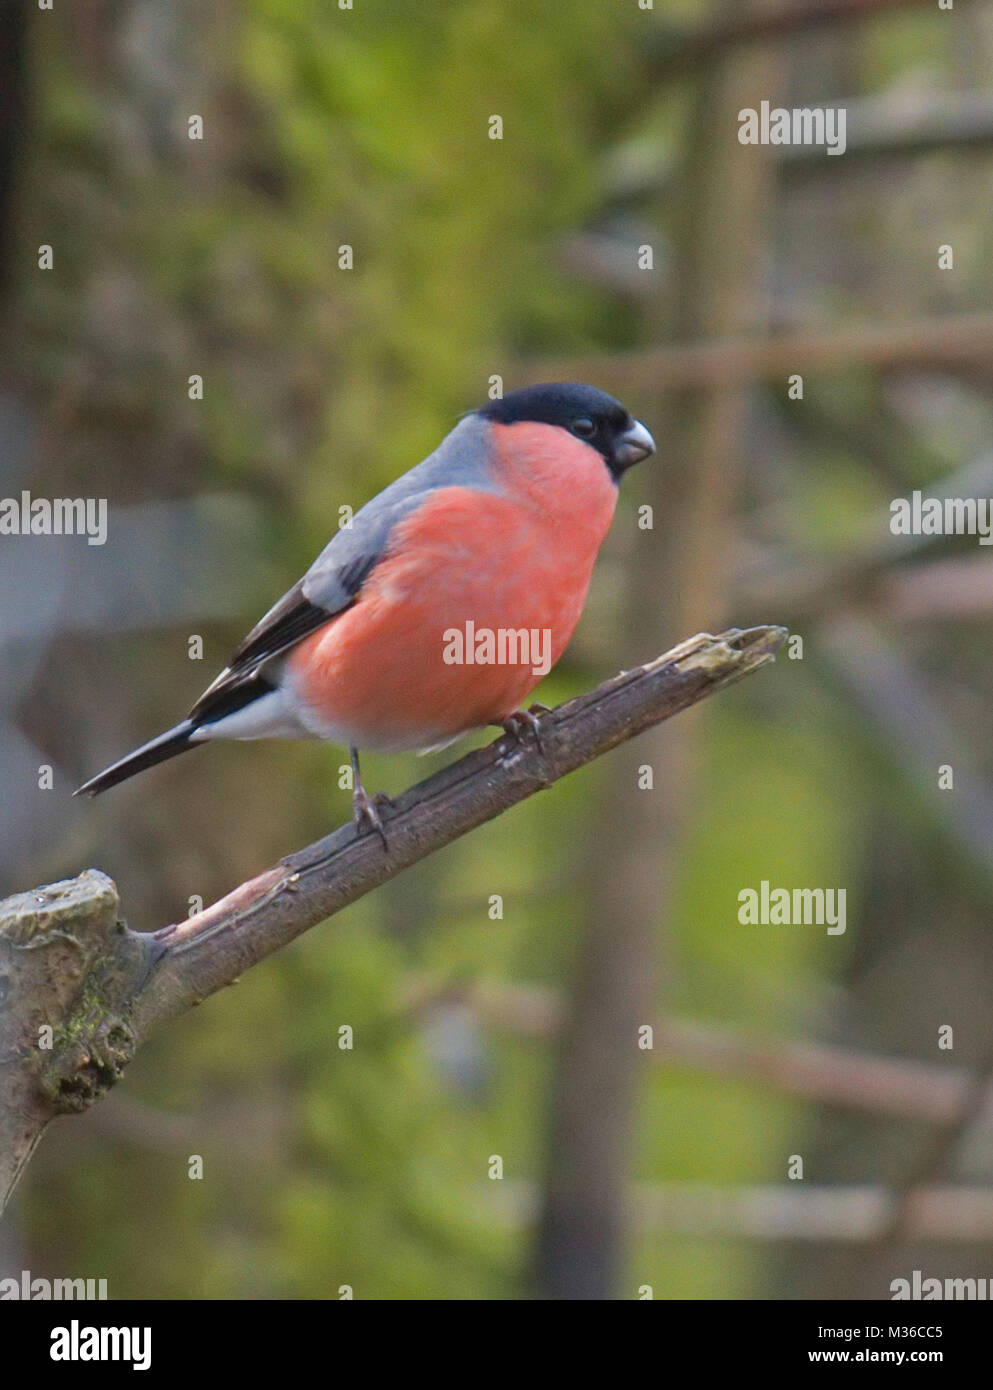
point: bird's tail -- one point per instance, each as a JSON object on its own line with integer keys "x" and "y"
{"x": 167, "y": 745}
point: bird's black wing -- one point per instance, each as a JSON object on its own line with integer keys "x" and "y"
{"x": 288, "y": 622}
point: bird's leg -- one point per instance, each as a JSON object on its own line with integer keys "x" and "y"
{"x": 365, "y": 807}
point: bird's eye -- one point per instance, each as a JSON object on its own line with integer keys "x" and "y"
{"x": 584, "y": 427}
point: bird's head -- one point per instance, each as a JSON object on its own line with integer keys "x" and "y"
{"x": 586, "y": 413}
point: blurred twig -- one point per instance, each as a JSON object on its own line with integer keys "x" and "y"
{"x": 902, "y": 126}
{"x": 68, "y": 963}
{"x": 945, "y": 589}
{"x": 932, "y": 1159}
{"x": 894, "y": 125}
{"x": 943, "y": 341}
{"x": 793, "y": 1211}
{"x": 815, "y": 587}
{"x": 898, "y": 1088}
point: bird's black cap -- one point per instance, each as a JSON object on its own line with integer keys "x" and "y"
{"x": 555, "y": 403}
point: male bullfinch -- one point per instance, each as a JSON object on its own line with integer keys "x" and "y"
{"x": 443, "y": 603}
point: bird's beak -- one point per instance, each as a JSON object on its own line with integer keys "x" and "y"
{"x": 632, "y": 446}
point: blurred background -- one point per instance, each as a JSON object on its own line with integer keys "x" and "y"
{"x": 618, "y": 233}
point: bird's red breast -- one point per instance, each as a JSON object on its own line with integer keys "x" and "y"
{"x": 519, "y": 558}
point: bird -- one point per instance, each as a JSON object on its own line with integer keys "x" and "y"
{"x": 436, "y": 608}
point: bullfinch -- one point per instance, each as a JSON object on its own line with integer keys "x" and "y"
{"x": 445, "y": 600}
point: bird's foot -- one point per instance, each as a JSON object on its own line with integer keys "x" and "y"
{"x": 366, "y": 809}
{"x": 526, "y": 721}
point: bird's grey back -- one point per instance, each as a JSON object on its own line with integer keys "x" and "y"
{"x": 462, "y": 459}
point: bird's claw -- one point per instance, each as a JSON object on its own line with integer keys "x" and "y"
{"x": 365, "y": 809}
{"x": 526, "y": 720}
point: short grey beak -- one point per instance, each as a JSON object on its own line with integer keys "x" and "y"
{"x": 632, "y": 446}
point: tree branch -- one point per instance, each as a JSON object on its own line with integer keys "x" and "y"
{"x": 837, "y": 1214}
{"x": 897, "y": 1088}
{"x": 949, "y": 342}
{"x": 68, "y": 964}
